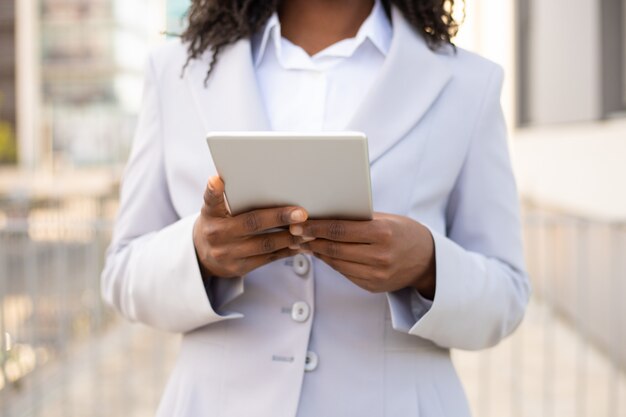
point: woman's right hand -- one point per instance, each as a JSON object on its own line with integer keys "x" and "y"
{"x": 229, "y": 246}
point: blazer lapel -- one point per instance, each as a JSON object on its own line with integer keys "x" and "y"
{"x": 231, "y": 100}
{"x": 411, "y": 78}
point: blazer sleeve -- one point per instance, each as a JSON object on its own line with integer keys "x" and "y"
{"x": 151, "y": 272}
{"x": 482, "y": 286}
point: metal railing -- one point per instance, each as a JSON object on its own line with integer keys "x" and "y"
{"x": 63, "y": 353}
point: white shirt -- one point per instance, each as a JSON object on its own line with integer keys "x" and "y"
{"x": 319, "y": 92}
{"x": 322, "y": 92}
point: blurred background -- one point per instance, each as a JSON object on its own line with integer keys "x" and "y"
{"x": 70, "y": 89}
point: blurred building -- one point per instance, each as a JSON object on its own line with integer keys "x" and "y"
{"x": 571, "y": 104}
{"x": 86, "y": 59}
{"x": 565, "y": 96}
{"x": 7, "y": 81}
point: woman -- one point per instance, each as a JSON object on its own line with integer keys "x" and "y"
{"x": 328, "y": 318}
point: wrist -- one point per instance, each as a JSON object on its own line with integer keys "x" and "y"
{"x": 426, "y": 281}
{"x": 197, "y": 245}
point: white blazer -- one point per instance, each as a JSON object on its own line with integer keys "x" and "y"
{"x": 438, "y": 151}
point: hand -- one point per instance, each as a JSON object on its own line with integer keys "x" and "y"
{"x": 384, "y": 254}
{"x": 233, "y": 246}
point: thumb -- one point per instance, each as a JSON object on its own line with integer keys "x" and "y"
{"x": 214, "y": 202}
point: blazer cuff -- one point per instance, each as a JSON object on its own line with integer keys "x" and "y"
{"x": 222, "y": 291}
{"x": 450, "y": 259}
{"x": 454, "y": 264}
{"x": 407, "y": 306}
{"x": 168, "y": 283}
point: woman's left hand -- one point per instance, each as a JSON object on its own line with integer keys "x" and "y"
{"x": 384, "y": 254}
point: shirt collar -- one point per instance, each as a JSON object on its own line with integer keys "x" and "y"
{"x": 376, "y": 29}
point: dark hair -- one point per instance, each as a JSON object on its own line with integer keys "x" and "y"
{"x": 214, "y": 24}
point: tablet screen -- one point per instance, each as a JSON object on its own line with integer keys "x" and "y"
{"x": 327, "y": 173}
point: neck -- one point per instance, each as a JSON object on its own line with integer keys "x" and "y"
{"x": 316, "y": 24}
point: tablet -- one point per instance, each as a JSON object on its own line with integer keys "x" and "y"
{"x": 327, "y": 173}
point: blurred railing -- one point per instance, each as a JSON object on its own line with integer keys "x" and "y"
{"x": 568, "y": 358}
{"x": 63, "y": 353}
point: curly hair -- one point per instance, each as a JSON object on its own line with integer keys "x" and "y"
{"x": 215, "y": 24}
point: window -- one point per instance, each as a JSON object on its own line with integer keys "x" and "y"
{"x": 571, "y": 60}
{"x": 614, "y": 57}
{"x": 622, "y": 38}
{"x": 7, "y": 82}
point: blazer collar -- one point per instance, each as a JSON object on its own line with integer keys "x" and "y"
{"x": 410, "y": 80}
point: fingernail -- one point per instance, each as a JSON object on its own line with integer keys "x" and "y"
{"x": 298, "y": 216}
{"x": 296, "y": 230}
{"x": 294, "y": 247}
{"x": 308, "y": 238}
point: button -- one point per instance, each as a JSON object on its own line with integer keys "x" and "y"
{"x": 311, "y": 361}
{"x": 300, "y": 311}
{"x": 301, "y": 264}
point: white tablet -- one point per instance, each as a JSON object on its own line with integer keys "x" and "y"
{"x": 327, "y": 173}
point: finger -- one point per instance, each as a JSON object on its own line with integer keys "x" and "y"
{"x": 257, "y": 221}
{"x": 254, "y": 262}
{"x": 362, "y": 253}
{"x": 266, "y": 243}
{"x": 214, "y": 203}
{"x": 353, "y": 271}
{"x": 339, "y": 230}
